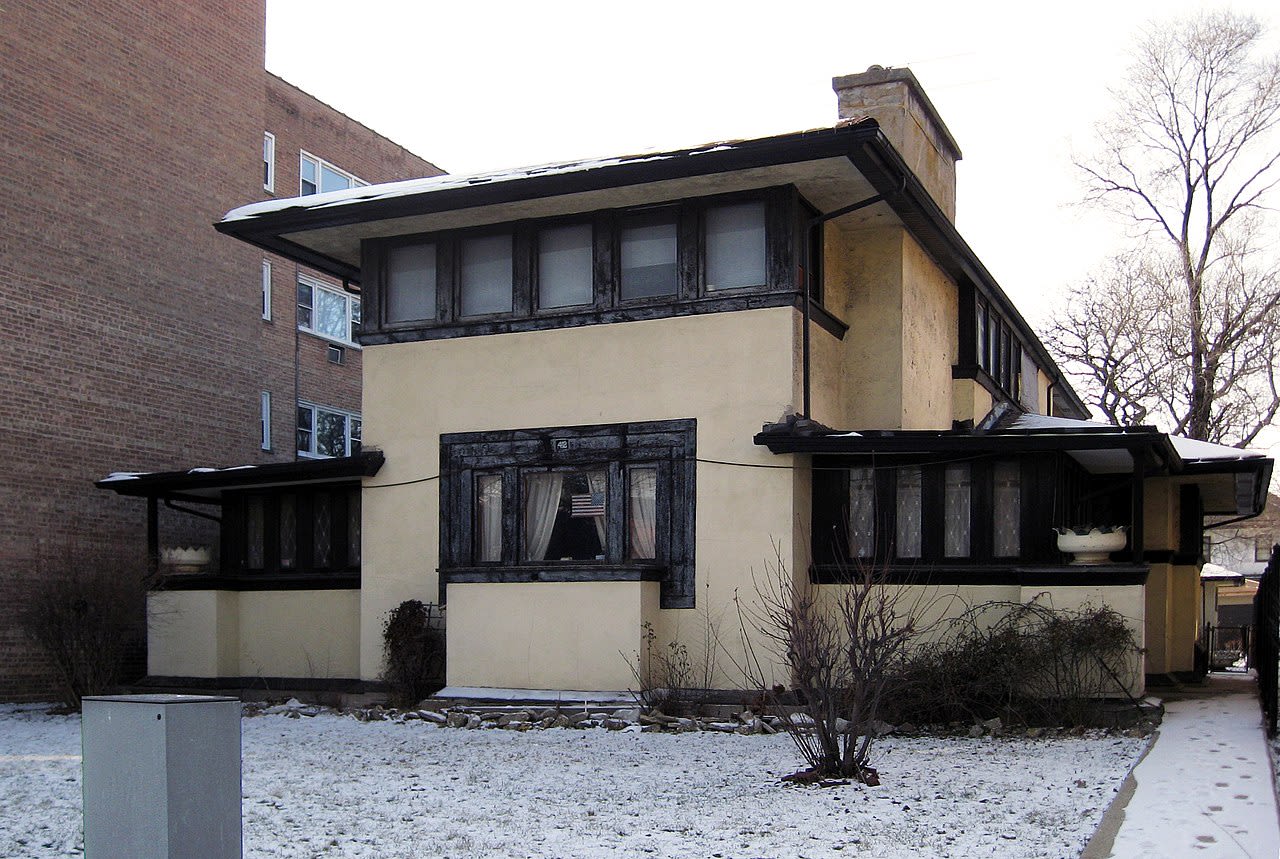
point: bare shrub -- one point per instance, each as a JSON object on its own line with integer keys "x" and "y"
{"x": 1023, "y": 662}
{"x": 841, "y": 644}
{"x": 413, "y": 652}
{"x": 85, "y": 609}
{"x": 672, "y": 679}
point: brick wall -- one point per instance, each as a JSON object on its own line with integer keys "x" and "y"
{"x": 134, "y": 333}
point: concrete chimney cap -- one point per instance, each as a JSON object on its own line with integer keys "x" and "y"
{"x": 877, "y": 74}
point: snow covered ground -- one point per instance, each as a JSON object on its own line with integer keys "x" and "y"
{"x": 332, "y": 786}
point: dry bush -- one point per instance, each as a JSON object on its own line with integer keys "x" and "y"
{"x": 85, "y": 609}
{"x": 413, "y": 652}
{"x": 671, "y": 679}
{"x": 1029, "y": 663}
{"x": 841, "y": 644}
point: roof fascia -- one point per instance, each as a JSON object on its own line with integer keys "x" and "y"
{"x": 643, "y": 169}
{"x": 178, "y": 484}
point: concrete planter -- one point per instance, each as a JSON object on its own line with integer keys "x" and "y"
{"x": 1094, "y": 546}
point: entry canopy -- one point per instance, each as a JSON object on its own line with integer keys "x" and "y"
{"x": 1233, "y": 481}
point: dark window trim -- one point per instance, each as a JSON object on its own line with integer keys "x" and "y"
{"x": 671, "y": 445}
{"x": 1022, "y": 574}
{"x": 784, "y": 210}
{"x": 272, "y": 576}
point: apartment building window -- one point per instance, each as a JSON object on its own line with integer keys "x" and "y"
{"x": 317, "y": 176}
{"x": 266, "y": 290}
{"x": 325, "y": 432}
{"x": 266, "y": 420}
{"x": 327, "y": 311}
{"x": 268, "y": 161}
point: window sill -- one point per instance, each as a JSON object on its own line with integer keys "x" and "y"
{"x": 337, "y": 341}
{"x": 579, "y": 316}
{"x": 586, "y": 572}
{"x": 1020, "y": 574}
{"x": 320, "y": 581}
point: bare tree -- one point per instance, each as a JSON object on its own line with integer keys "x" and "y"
{"x": 1181, "y": 331}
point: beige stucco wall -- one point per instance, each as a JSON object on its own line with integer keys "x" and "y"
{"x": 731, "y": 371}
{"x": 1129, "y": 601}
{"x": 893, "y": 368}
{"x": 548, "y": 635}
{"x": 253, "y": 633}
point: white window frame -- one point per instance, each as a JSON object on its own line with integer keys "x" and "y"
{"x": 269, "y": 161}
{"x": 266, "y": 420}
{"x": 266, "y": 290}
{"x": 304, "y": 156}
{"x": 315, "y": 409}
{"x": 350, "y": 300}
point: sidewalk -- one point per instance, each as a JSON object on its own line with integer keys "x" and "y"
{"x": 1206, "y": 786}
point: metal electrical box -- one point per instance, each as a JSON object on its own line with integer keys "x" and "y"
{"x": 161, "y": 777}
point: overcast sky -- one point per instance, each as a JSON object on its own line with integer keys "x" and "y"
{"x": 474, "y": 86}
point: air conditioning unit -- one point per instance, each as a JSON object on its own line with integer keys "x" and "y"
{"x": 337, "y": 355}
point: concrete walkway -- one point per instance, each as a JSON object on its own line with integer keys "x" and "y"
{"x": 1205, "y": 788}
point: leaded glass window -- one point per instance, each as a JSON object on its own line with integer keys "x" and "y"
{"x": 1007, "y": 509}
{"x": 957, "y": 506}
{"x": 862, "y": 512}
{"x": 909, "y": 512}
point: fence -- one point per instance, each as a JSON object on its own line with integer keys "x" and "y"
{"x": 1266, "y": 624}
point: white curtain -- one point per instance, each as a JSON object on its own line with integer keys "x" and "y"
{"x": 489, "y": 508}
{"x": 643, "y": 517}
{"x": 542, "y": 502}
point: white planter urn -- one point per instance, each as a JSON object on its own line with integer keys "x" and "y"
{"x": 1094, "y": 546}
{"x": 186, "y": 559}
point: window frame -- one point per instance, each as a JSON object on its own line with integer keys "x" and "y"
{"x": 320, "y": 165}
{"x": 343, "y": 571}
{"x": 266, "y": 290}
{"x": 351, "y": 301}
{"x": 269, "y": 162}
{"x": 783, "y": 233}
{"x": 353, "y": 430}
{"x": 264, "y": 404}
{"x": 618, "y": 449}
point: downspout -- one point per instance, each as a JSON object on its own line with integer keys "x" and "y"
{"x": 806, "y": 255}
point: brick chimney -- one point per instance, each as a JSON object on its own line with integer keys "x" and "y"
{"x": 895, "y": 99}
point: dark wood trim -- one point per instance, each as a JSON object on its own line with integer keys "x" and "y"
{"x": 984, "y": 574}
{"x": 585, "y": 573}
{"x": 671, "y": 446}
{"x": 261, "y": 582}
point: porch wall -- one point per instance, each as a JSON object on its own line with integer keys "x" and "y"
{"x": 209, "y": 634}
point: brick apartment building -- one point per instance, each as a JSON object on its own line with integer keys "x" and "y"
{"x": 137, "y": 337}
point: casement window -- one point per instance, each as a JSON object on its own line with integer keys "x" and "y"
{"x": 324, "y": 432}
{"x": 266, "y": 290}
{"x": 317, "y": 176}
{"x": 920, "y": 512}
{"x": 265, "y": 419}
{"x": 730, "y": 252}
{"x": 995, "y": 347}
{"x": 327, "y": 311}
{"x": 268, "y": 161}
{"x": 597, "y": 503}
{"x": 292, "y": 532}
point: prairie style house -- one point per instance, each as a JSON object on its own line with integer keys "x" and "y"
{"x": 604, "y": 394}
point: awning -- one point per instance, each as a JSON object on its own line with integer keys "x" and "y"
{"x": 206, "y": 485}
{"x": 1232, "y": 481}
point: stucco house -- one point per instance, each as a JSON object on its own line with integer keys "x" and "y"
{"x": 603, "y": 394}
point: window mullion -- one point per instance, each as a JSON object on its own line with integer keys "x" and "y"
{"x": 616, "y": 508}
{"x": 604, "y": 261}
{"x": 522, "y": 285}
{"x": 689, "y": 256}
{"x": 512, "y": 516}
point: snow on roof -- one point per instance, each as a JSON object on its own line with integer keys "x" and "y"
{"x": 122, "y": 475}
{"x": 430, "y": 184}
{"x": 1188, "y": 448}
{"x": 1217, "y": 571}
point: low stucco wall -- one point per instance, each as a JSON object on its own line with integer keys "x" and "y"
{"x": 253, "y": 634}
{"x": 548, "y": 635}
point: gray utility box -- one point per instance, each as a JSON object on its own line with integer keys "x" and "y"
{"x": 161, "y": 777}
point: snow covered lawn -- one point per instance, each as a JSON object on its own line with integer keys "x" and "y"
{"x": 332, "y": 786}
